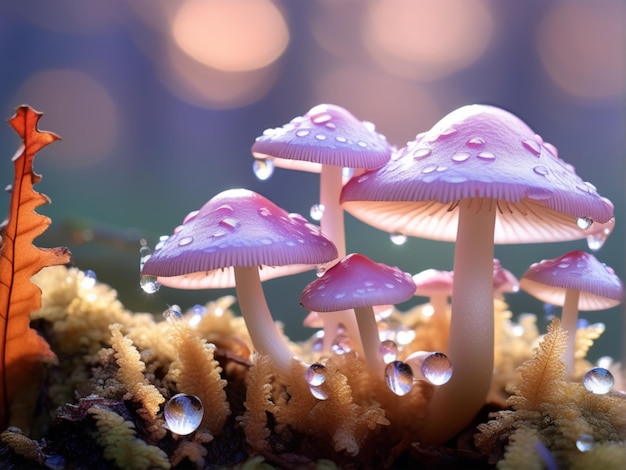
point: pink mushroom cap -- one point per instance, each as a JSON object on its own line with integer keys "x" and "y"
{"x": 357, "y": 281}
{"x": 433, "y": 282}
{"x": 240, "y": 228}
{"x": 478, "y": 151}
{"x": 503, "y": 279}
{"x": 549, "y": 280}
{"x": 326, "y": 135}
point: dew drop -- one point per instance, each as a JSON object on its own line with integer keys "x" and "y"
{"x": 198, "y": 312}
{"x": 437, "y": 368}
{"x": 320, "y": 136}
{"x": 318, "y": 393}
{"x": 596, "y": 241}
{"x": 342, "y": 344}
{"x": 421, "y": 153}
{"x": 229, "y": 223}
{"x": 532, "y": 146}
{"x": 347, "y": 173}
{"x": 585, "y": 442}
{"x": 264, "y": 212}
{"x": 388, "y": 351}
{"x": 263, "y": 169}
{"x": 398, "y": 238}
{"x": 598, "y": 380}
{"x": 486, "y": 156}
{"x": 320, "y": 270}
{"x": 185, "y": 241}
{"x": 302, "y": 132}
{"x": 183, "y": 413}
{"x": 317, "y": 211}
{"x": 476, "y": 142}
{"x": 172, "y": 314}
{"x": 315, "y": 374}
{"x": 89, "y": 279}
{"x": 584, "y": 223}
{"x": 399, "y": 377}
{"x": 9, "y": 188}
{"x": 341, "y": 139}
{"x": 321, "y": 118}
{"x": 541, "y": 170}
{"x": 362, "y": 144}
{"x": 149, "y": 284}
{"x": 460, "y": 157}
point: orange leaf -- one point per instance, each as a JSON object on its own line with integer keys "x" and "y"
{"x": 22, "y": 350}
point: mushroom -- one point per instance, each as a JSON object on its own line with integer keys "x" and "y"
{"x": 356, "y": 282}
{"x": 480, "y": 176}
{"x": 325, "y": 140}
{"x": 224, "y": 244}
{"x": 437, "y": 286}
{"x": 576, "y": 281}
{"x": 504, "y": 281}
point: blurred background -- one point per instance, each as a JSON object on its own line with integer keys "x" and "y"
{"x": 159, "y": 101}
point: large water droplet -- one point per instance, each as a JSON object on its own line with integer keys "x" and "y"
{"x": 598, "y": 380}
{"x": 596, "y": 240}
{"x": 317, "y": 211}
{"x": 388, "y": 351}
{"x": 321, "y": 118}
{"x": 263, "y": 169}
{"x": 476, "y": 142}
{"x": 315, "y": 374}
{"x": 398, "y": 238}
{"x": 585, "y": 442}
{"x": 183, "y": 413}
{"x": 149, "y": 284}
{"x": 437, "y": 368}
{"x": 584, "y": 223}
{"x": 399, "y": 377}
{"x": 172, "y": 314}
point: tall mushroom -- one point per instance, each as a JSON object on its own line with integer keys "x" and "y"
{"x": 576, "y": 281}
{"x": 226, "y": 242}
{"x": 325, "y": 140}
{"x": 480, "y": 176}
{"x": 356, "y": 282}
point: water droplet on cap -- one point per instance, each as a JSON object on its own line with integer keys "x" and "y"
{"x": 422, "y": 153}
{"x": 584, "y": 223}
{"x": 183, "y": 413}
{"x": 341, "y": 139}
{"x": 476, "y": 142}
{"x": 598, "y": 380}
{"x": 185, "y": 241}
{"x": 541, "y": 170}
{"x": 486, "y": 156}
{"x": 321, "y": 118}
{"x": 315, "y": 374}
{"x": 149, "y": 284}
{"x": 532, "y": 146}
{"x": 399, "y": 377}
{"x": 263, "y": 169}
{"x": 460, "y": 157}
{"x": 302, "y": 132}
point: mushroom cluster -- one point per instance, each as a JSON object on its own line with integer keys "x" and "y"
{"x": 479, "y": 177}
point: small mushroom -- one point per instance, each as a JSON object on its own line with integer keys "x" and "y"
{"x": 325, "y": 140}
{"x": 437, "y": 286}
{"x": 236, "y": 239}
{"x": 356, "y": 282}
{"x": 576, "y": 281}
{"x": 504, "y": 281}
{"x": 480, "y": 176}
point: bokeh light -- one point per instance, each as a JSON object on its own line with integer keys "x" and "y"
{"x": 78, "y": 108}
{"x": 231, "y": 36}
{"x": 427, "y": 40}
{"x": 578, "y": 44}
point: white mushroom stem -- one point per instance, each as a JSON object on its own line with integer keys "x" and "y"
{"x": 332, "y": 321}
{"x": 470, "y": 342}
{"x": 370, "y": 339}
{"x": 332, "y": 224}
{"x": 569, "y": 322}
{"x": 259, "y": 322}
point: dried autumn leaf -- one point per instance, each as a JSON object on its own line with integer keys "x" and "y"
{"x": 22, "y": 350}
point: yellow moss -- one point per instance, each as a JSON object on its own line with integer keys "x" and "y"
{"x": 196, "y": 372}
{"x": 525, "y": 453}
{"x": 258, "y": 403}
{"x": 118, "y": 439}
{"x": 130, "y": 373}
{"x": 191, "y": 450}
{"x": 22, "y": 444}
{"x": 605, "y": 456}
